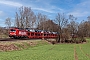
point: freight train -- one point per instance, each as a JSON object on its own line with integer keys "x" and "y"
{"x": 31, "y": 33}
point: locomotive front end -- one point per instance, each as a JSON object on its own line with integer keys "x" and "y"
{"x": 12, "y": 33}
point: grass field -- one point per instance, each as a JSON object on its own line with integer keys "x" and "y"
{"x": 50, "y": 52}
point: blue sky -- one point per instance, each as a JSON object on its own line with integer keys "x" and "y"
{"x": 78, "y": 8}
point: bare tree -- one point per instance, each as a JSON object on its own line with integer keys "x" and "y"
{"x": 62, "y": 22}
{"x": 88, "y": 18}
{"x": 85, "y": 27}
{"x": 73, "y": 27}
{"x": 17, "y": 21}
{"x": 82, "y": 32}
{"x": 40, "y": 21}
{"x": 25, "y": 18}
{"x": 49, "y": 26}
{"x": 8, "y": 22}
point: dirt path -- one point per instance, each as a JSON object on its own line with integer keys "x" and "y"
{"x": 75, "y": 53}
{"x": 84, "y": 52}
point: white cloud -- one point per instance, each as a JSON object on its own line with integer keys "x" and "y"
{"x": 81, "y": 10}
{"x": 39, "y": 5}
{"x": 11, "y": 3}
{"x": 45, "y": 6}
{"x": 42, "y": 9}
{"x": 48, "y": 9}
{"x": 2, "y": 13}
{"x": 78, "y": 13}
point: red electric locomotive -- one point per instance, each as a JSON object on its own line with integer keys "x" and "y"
{"x": 30, "y": 33}
{"x": 17, "y": 33}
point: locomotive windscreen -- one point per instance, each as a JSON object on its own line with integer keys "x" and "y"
{"x": 12, "y": 30}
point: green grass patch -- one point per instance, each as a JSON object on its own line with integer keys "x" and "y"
{"x": 45, "y": 51}
{"x": 41, "y": 52}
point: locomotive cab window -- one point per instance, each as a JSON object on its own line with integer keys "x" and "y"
{"x": 12, "y": 30}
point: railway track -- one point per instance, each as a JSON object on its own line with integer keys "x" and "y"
{"x": 9, "y": 39}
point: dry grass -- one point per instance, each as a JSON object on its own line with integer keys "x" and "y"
{"x": 17, "y": 41}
